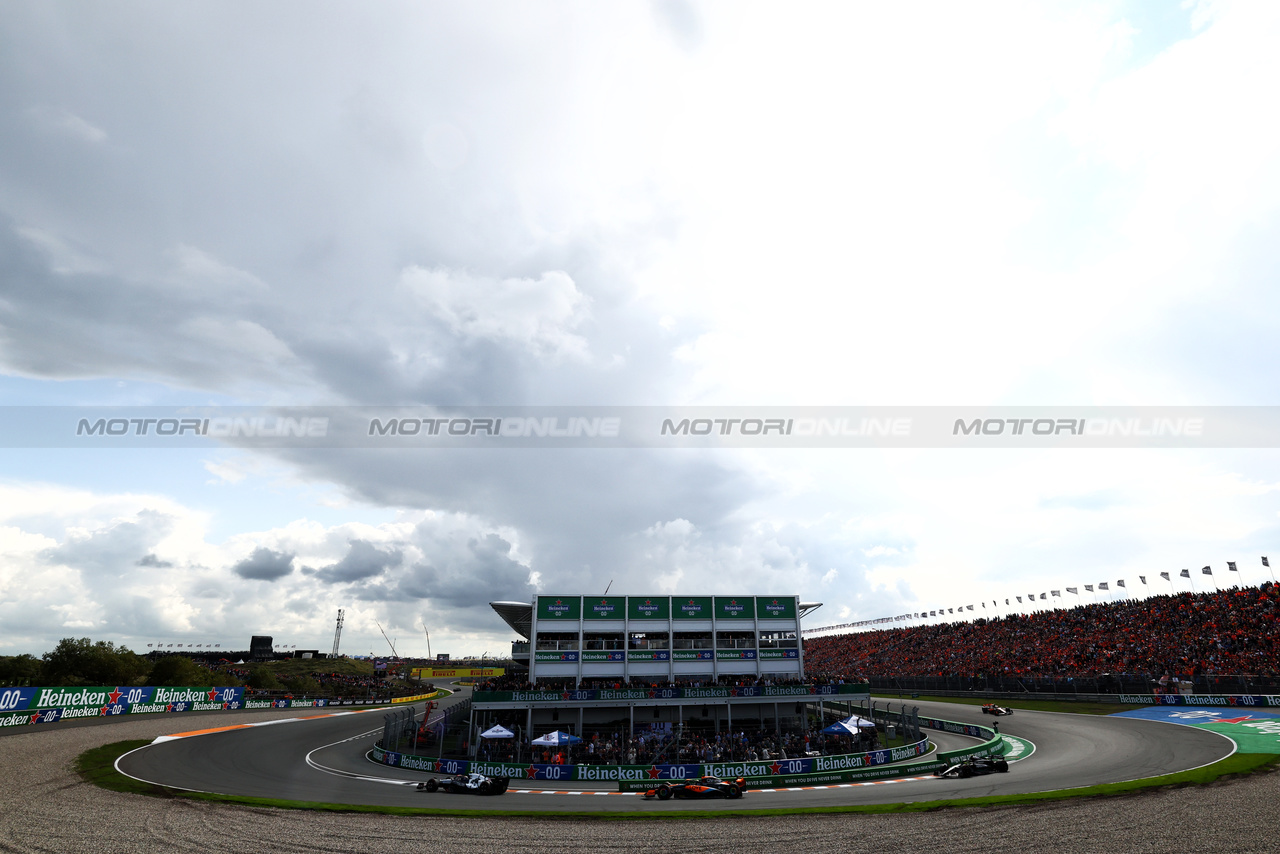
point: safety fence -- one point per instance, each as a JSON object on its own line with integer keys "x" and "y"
{"x": 808, "y": 770}
{"x": 34, "y": 705}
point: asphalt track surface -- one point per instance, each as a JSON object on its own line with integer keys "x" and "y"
{"x": 323, "y": 759}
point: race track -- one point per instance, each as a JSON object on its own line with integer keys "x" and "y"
{"x": 323, "y": 759}
{"x": 46, "y": 808}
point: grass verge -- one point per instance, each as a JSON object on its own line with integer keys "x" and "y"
{"x": 97, "y": 766}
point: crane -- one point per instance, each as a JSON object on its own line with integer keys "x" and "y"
{"x": 389, "y": 643}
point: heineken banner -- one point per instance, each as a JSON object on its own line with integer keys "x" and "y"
{"x": 559, "y": 608}
{"x": 655, "y": 773}
{"x": 735, "y": 608}
{"x": 842, "y": 692}
{"x": 1238, "y": 700}
{"x": 691, "y": 608}
{"x": 25, "y": 706}
{"x": 776, "y": 607}
{"x": 604, "y": 608}
{"x": 648, "y": 607}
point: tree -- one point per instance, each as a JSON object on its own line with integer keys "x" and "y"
{"x": 19, "y": 669}
{"x": 80, "y": 661}
{"x": 174, "y": 671}
{"x": 262, "y": 679}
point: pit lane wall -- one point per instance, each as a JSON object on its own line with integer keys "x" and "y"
{"x": 34, "y": 706}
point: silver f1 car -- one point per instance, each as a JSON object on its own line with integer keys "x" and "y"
{"x": 974, "y": 767}
{"x": 993, "y": 709}
{"x": 466, "y": 784}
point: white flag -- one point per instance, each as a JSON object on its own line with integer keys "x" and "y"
{"x": 1120, "y": 583}
{"x": 1102, "y": 585}
{"x": 1075, "y": 590}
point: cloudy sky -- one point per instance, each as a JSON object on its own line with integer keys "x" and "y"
{"x": 623, "y": 204}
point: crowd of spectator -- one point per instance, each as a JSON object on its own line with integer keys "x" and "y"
{"x": 519, "y": 683}
{"x": 617, "y": 748}
{"x": 1227, "y": 631}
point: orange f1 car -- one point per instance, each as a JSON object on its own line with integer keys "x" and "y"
{"x": 701, "y": 788}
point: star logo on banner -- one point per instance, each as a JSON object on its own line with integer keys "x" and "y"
{"x": 35, "y": 719}
{"x": 531, "y": 772}
{"x": 733, "y": 692}
{"x": 115, "y": 696}
{"x": 1235, "y": 720}
{"x": 654, "y": 773}
{"x": 213, "y": 694}
{"x": 169, "y": 708}
{"x": 436, "y": 766}
{"x": 225, "y": 706}
{"x": 103, "y": 711}
{"x": 564, "y": 696}
{"x": 776, "y": 768}
{"x": 652, "y": 694}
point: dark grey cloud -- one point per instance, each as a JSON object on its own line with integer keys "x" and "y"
{"x": 265, "y": 565}
{"x": 363, "y": 560}
{"x": 152, "y": 560}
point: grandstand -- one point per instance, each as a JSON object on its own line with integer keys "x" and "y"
{"x": 1217, "y": 641}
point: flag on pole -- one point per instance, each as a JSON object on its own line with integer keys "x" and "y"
{"x": 951, "y": 610}
{"x": 970, "y": 607}
{"x": 1055, "y": 592}
{"x": 1231, "y": 566}
{"x": 1264, "y": 561}
{"x": 1165, "y": 576}
{"x": 1075, "y": 590}
{"x": 1043, "y": 596}
{"x": 1206, "y": 571}
{"x": 1089, "y": 587}
{"x": 1007, "y": 601}
{"x": 1120, "y": 583}
{"x": 1142, "y": 578}
{"x": 1019, "y": 600}
{"x": 1186, "y": 573}
{"x": 1102, "y": 585}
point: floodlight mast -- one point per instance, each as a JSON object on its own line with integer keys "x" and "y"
{"x": 337, "y": 635}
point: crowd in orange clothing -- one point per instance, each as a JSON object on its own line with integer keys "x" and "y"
{"x": 1228, "y": 631}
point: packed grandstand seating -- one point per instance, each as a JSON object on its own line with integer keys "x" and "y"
{"x": 1227, "y": 631}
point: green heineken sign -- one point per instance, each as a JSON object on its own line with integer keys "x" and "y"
{"x": 735, "y": 608}
{"x": 691, "y": 607}
{"x": 603, "y": 608}
{"x": 561, "y": 608}
{"x": 776, "y": 607}
{"x": 648, "y": 608}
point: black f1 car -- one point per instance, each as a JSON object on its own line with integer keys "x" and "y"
{"x": 993, "y": 709}
{"x": 467, "y": 784}
{"x": 974, "y": 767}
{"x": 703, "y": 787}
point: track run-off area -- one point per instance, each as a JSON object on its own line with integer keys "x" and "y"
{"x": 323, "y": 758}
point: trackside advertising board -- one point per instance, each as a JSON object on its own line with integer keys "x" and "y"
{"x": 456, "y": 672}
{"x": 27, "y": 706}
{"x": 1231, "y": 700}
{"x": 646, "y": 775}
{"x": 30, "y": 706}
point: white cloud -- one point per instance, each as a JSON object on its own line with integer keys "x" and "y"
{"x": 536, "y": 314}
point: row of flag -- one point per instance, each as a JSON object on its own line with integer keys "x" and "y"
{"x": 1089, "y": 588}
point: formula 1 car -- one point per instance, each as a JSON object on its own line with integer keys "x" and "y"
{"x": 701, "y": 788}
{"x": 467, "y": 784}
{"x": 974, "y": 767}
{"x": 993, "y": 709}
